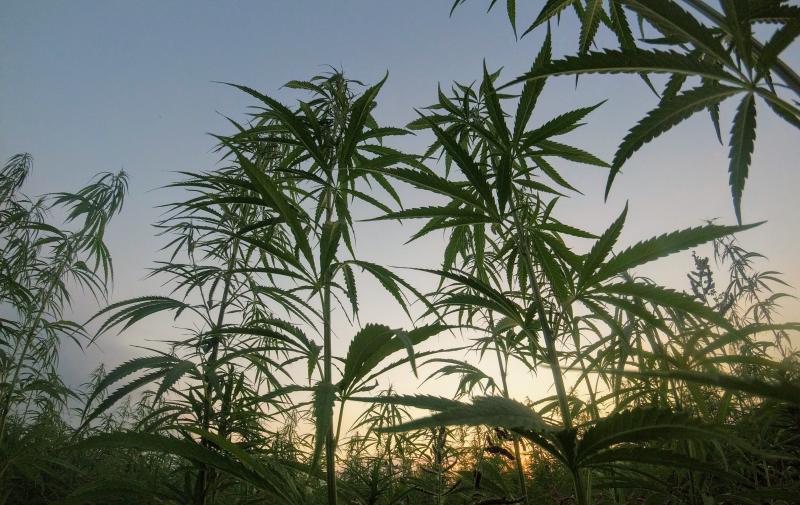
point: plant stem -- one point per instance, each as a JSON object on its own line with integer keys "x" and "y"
{"x": 205, "y": 477}
{"x": 330, "y": 440}
{"x": 550, "y": 343}
{"x": 29, "y": 336}
{"x": 517, "y": 459}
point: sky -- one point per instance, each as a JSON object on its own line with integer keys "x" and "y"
{"x": 91, "y": 86}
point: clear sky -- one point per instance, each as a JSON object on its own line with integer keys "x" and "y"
{"x": 90, "y": 86}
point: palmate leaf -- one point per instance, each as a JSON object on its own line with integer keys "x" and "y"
{"x": 484, "y": 410}
{"x": 559, "y": 125}
{"x": 782, "y": 108}
{"x": 427, "y": 402}
{"x": 627, "y": 61}
{"x": 172, "y": 376}
{"x": 669, "y": 18}
{"x": 350, "y": 287}
{"x": 531, "y": 90}
{"x": 667, "y": 114}
{"x": 392, "y": 283}
{"x": 376, "y": 342}
{"x": 509, "y": 308}
{"x": 329, "y": 243}
{"x": 359, "y": 113}
{"x": 642, "y": 425}
{"x": 108, "y": 491}
{"x": 194, "y": 452}
{"x": 290, "y": 120}
{"x": 602, "y": 248}
{"x": 742, "y": 141}
{"x": 431, "y": 182}
{"x": 667, "y": 298}
{"x": 551, "y": 148}
{"x": 657, "y": 457}
{"x": 550, "y": 10}
{"x": 363, "y": 347}
{"x": 433, "y": 212}
{"x": 136, "y": 309}
{"x": 128, "y": 368}
{"x": 738, "y": 24}
{"x": 121, "y": 393}
{"x": 663, "y": 245}
{"x": 784, "y": 391}
{"x": 277, "y": 200}
{"x": 468, "y": 166}
{"x": 502, "y": 137}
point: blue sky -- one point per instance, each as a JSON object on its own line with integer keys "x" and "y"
{"x": 98, "y": 86}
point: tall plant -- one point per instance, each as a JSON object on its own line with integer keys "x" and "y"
{"x": 40, "y": 261}
{"x": 503, "y": 195}
{"x": 718, "y": 50}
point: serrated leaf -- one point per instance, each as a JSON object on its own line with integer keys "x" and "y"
{"x": 484, "y": 410}
{"x": 742, "y": 142}
{"x": 664, "y": 245}
{"x": 627, "y": 61}
{"x": 667, "y": 114}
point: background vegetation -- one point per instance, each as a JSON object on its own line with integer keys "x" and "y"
{"x": 658, "y": 395}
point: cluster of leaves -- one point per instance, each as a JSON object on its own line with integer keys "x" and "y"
{"x": 38, "y": 264}
{"x": 658, "y": 394}
{"x": 710, "y": 56}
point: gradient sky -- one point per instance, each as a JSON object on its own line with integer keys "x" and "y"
{"x": 98, "y": 86}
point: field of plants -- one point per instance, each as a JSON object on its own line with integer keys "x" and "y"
{"x": 652, "y": 394}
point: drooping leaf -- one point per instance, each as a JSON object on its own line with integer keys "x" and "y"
{"x": 742, "y": 141}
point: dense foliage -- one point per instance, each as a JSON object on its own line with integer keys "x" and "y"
{"x": 659, "y": 395}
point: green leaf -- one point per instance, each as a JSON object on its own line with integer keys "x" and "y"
{"x": 324, "y": 397}
{"x": 376, "y": 342}
{"x": 484, "y": 410}
{"x": 359, "y": 112}
{"x": 108, "y": 491}
{"x": 667, "y": 114}
{"x": 669, "y": 18}
{"x": 627, "y": 61}
{"x": 363, "y": 353}
{"x": 350, "y": 287}
{"x": 602, "y": 248}
{"x": 291, "y": 121}
{"x": 432, "y": 212}
{"x": 641, "y": 425}
{"x": 779, "y": 41}
{"x": 467, "y": 165}
{"x": 659, "y": 457}
{"x": 551, "y": 148}
{"x": 559, "y": 125}
{"x": 429, "y": 181}
{"x": 511, "y": 11}
{"x": 664, "y": 245}
{"x": 189, "y": 450}
{"x": 742, "y": 141}
{"x": 550, "y": 9}
{"x": 589, "y": 24}
{"x": 128, "y": 368}
{"x": 277, "y": 200}
{"x": 175, "y": 374}
{"x": 136, "y": 309}
{"x": 737, "y": 14}
{"x": 531, "y": 90}
{"x": 782, "y": 391}
{"x": 667, "y": 298}
{"x": 329, "y": 243}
